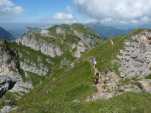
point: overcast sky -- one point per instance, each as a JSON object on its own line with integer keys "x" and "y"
{"x": 69, "y": 11}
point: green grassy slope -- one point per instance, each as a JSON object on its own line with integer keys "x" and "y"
{"x": 105, "y": 53}
{"x": 59, "y": 92}
{"x": 66, "y": 91}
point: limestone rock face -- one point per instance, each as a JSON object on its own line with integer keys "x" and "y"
{"x": 5, "y": 86}
{"x": 145, "y": 85}
{"x": 85, "y": 43}
{"x": 6, "y": 109}
{"x": 30, "y": 40}
{"x": 60, "y": 39}
{"x": 39, "y": 69}
{"x": 11, "y": 78}
{"x": 10, "y": 75}
{"x": 135, "y": 58}
{"x": 79, "y": 50}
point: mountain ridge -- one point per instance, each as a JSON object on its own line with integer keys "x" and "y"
{"x": 108, "y": 31}
{"x": 74, "y": 90}
{"x": 84, "y": 84}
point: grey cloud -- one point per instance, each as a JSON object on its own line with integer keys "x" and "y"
{"x": 124, "y": 11}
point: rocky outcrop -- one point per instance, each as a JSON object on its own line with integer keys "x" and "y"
{"x": 135, "y": 58}
{"x": 36, "y": 42}
{"x": 22, "y": 87}
{"x": 109, "y": 84}
{"x": 11, "y": 78}
{"x": 5, "y": 86}
{"x": 86, "y": 43}
{"x": 57, "y": 40}
{"x": 80, "y": 48}
{"x": 38, "y": 69}
{"x": 6, "y": 109}
{"x": 10, "y": 75}
{"x": 145, "y": 85}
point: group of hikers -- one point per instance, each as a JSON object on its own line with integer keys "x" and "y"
{"x": 96, "y": 73}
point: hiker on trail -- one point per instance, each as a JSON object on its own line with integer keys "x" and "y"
{"x": 112, "y": 43}
{"x": 97, "y": 79}
{"x": 94, "y": 61}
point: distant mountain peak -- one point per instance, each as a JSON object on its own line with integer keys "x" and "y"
{"x": 5, "y": 35}
{"x": 107, "y": 31}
